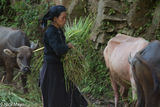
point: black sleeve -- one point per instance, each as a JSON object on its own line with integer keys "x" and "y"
{"x": 55, "y": 42}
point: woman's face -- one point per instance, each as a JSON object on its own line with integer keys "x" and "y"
{"x": 61, "y": 19}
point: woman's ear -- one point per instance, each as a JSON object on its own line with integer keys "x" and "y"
{"x": 55, "y": 19}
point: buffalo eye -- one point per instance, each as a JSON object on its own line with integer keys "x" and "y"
{"x": 20, "y": 57}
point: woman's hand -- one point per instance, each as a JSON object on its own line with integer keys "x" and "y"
{"x": 70, "y": 45}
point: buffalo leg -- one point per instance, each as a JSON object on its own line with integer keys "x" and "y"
{"x": 9, "y": 72}
{"x": 124, "y": 94}
{"x": 140, "y": 100}
{"x": 140, "y": 94}
{"x": 115, "y": 89}
{"x": 9, "y": 75}
{"x": 133, "y": 84}
{"x": 24, "y": 80}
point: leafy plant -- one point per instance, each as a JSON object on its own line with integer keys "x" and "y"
{"x": 111, "y": 11}
{"x": 75, "y": 64}
{"x": 84, "y": 65}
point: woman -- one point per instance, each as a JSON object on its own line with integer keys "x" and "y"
{"x": 52, "y": 81}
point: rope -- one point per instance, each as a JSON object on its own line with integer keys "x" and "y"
{"x": 39, "y": 49}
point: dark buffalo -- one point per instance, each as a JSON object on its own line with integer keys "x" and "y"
{"x": 15, "y": 52}
{"x": 146, "y": 71}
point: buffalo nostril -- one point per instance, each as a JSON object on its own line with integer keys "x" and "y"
{"x": 29, "y": 71}
{"x": 26, "y": 69}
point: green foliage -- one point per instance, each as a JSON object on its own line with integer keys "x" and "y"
{"x": 79, "y": 31}
{"x": 26, "y": 17}
{"x": 111, "y": 11}
{"x": 6, "y": 11}
{"x": 96, "y": 81}
{"x": 127, "y": 6}
{"x": 75, "y": 63}
{"x": 9, "y": 94}
{"x": 158, "y": 34}
{"x": 92, "y": 75}
{"x": 141, "y": 30}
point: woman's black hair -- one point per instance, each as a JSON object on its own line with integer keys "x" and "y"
{"x": 54, "y": 11}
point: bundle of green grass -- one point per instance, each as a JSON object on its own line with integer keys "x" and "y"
{"x": 74, "y": 62}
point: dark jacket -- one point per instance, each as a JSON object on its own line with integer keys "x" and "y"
{"x": 55, "y": 45}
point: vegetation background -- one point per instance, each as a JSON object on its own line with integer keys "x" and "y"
{"x": 90, "y": 25}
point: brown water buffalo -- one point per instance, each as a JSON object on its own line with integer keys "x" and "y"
{"x": 146, "y": 72}
{"x": 15, "y": 52}
{"x": 116, "y": 57}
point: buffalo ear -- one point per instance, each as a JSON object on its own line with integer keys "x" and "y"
{"x": 33, "y": 46}
{"x": 9, "y": 53}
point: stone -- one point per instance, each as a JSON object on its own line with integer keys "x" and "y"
{"x": 92, "y": 6}
{"x": 113, "y": 18}
{"x": 94, "y": 35}
{"x": 114, "y": 5}
{"x": 127, "y": 31}
{"x": 109, "y": 30}
{"x": 100, "y": 38}
{"x": 121, "y": 26}
{"x": 137, "y": 15}
{"x": 77, "y": 8}
{"x": 71, "y": 6}
{"x": 151, "y": 31}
